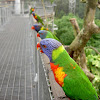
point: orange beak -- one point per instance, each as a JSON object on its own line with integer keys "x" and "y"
{"x": 32, "y": 9}
{"x": 38, "y": 35}
{"x": 38, "y": 46}
{"x": 47, "y": 29}
{"x": 33, "y": 27}
{"x": 41, "y": 51}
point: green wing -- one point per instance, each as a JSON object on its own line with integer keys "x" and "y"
{"x": 30, "y": 11}
{"x": 55, "y": 37}
{"x": 51, "y": 35}
{"x": 39, "y": 19}
{"x": 76, "y": 84}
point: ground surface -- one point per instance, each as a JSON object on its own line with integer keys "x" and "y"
{"x": 16, "y": 60}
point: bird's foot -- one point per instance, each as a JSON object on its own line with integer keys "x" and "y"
{"x": 48, "y": 63}
{"x": 63, "y": 97}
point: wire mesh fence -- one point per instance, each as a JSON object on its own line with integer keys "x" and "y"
{"x": 5, "y": 13}
{"x": 41, "y": 81}
{"x": 42, "y": 89}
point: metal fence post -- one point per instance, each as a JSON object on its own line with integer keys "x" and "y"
{"x": 5, "y": 13}
{"x": 0, "y": 15}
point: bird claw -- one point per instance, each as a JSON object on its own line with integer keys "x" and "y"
{"x": 62, "y": 97}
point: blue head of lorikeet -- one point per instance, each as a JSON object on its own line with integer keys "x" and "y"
{"x": 32, "y": 10}
{"x": 33, "y": 13}
{"x": 36, "y": 27}
{"x": 48, "y": 45}
{"x": 46, "y": 34}
{"x": 42, "y": 34}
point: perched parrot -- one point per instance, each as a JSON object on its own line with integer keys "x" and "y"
{"x": 67, "y": 73}
{"x": 32, "y": 10}
{"x": 46, "y": 34}
{"x": 38, "y": 18}
{"x": 43, "y": 28}
{"x": 38, "y": 27}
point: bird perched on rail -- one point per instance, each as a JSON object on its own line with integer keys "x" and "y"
{"x": 46, "y": 34}
{"x": 38, "y": 18}
{"x": 32, "y": 10}
{"x": 67, "y": 73}
{"x": 38, "y": 27}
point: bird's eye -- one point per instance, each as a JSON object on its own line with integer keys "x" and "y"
{"x": 44, "y": 46}
{"x": 41, "y": 33}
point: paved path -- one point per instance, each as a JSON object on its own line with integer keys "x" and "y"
{"x": 16, "y": 60}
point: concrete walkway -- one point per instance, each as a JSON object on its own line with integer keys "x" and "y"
{"x": 16, "y": 60}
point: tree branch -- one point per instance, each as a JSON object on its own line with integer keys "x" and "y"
{"x": 94, "y": 49}
{"x": 95, "y": 29}
{"x": 83, "y": 1}
{"x": 84, "y": 66}
{"x": 82, "y": 60}
{"x": 75, "y": 26}
{"x": 85, "y": 34}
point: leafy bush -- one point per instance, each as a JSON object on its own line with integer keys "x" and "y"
{"x": 93, "y": 63}
{"x": 96, "y": 84}
{"x": 94, "y": 41}
{"x": 65, "y": 30}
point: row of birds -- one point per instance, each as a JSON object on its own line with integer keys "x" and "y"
{"x": 67, "y": 72}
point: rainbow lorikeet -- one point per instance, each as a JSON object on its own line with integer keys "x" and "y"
{"x": 46, "y": 34}
{"x": 32, "y": 10}
{"x": 67, "y": 73}
{"x": 38, "y": 18}
{"x": 38, "y": 27}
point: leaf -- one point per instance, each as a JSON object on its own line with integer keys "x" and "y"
{"x": 51, "y": 1}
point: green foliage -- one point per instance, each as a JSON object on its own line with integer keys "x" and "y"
{"x": 96, "y": 84}
{"x": 89, "y": 51}
{"x": 95, "y": 41}
{"x": 93, "y": 63}
{"x": 65, "y": 30}
{"x": 51, "y": 1}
